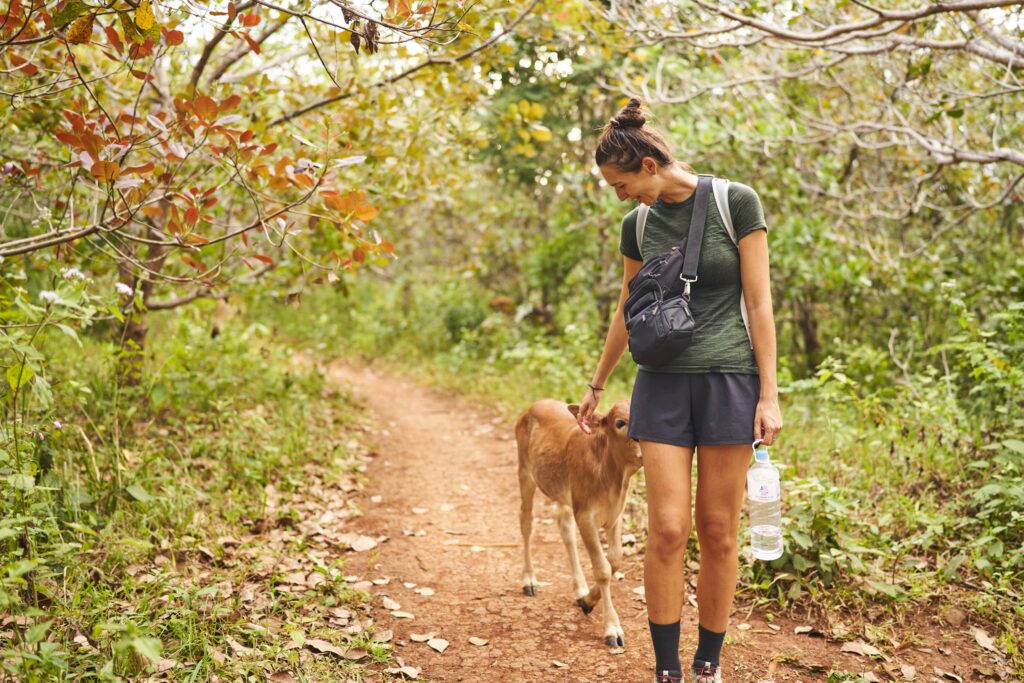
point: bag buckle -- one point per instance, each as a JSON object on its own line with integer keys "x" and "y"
{"x": 686, "y": 288}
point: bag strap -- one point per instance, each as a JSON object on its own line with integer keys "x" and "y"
{"x": 641, "y": 223}
{"x": 695, "y": 236}
{"x": 721, "y": 189}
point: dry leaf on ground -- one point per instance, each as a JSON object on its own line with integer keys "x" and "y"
{"x": 859, "y": 647}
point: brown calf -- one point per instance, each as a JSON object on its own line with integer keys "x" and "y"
{"x": 588, "y": 476}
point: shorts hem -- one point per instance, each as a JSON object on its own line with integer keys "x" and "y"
{"x": 726, "y": 442}
{"x": 665, "y": 440}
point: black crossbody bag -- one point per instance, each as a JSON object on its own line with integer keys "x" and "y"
{"x": 657, "y": 310}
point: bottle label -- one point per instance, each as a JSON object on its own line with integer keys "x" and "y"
{"x": 764, "y": 491}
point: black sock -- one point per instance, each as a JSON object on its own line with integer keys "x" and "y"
{"x": 709, "y": 646}
{"x": 665, "y": 638}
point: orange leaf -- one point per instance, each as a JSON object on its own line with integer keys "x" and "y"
{"x": 250, "y": 19}
{"x": 366, "y": 212}
{"x": 387, "y": 247}
{"x": 230, "y": 103}
{"x": 358, "y": 255}
{"x": 305, "y": 180}
{"x": 68, "y": 138}
{"x": 246, "y": 136}
{"x": 191, "y": 215}
{"x": 174, "y": 37}
{"x": 195, "y": 263}
{"x": 205, "y": 107}
{"x": 144, "y": 168}
{"x": 105, "y": 170}
{"x": 114, "y": 39}
{"x": 265, "y": 259}
{"x": 232, "y": 10}
{"x": 252, "y": 43}
{"x": 196, "y": 239}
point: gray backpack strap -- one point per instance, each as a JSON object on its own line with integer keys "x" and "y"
{"x": 641, "y": 223}
{"x": 721, "y": 190}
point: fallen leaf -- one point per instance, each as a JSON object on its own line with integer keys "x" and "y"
{"x": 473, "y": 640}
{"x": 859, "y": 647}
{"x": 399, "y": 614}
{"x": 420, "y": 511}
{"x": 948, "y": 675}
{"x": 870, "y": 677}
{"x": 389, "y": 604}
{"x": 295, "y": 578}
{"x": 404, "y": 671}
{"x": 238, "y": 648}
{"x": 420, "y": 637}
{"x": 559, "y": 665}
{"x": 803, "y": 629}
{"x": 363, "y": 543}
{"x": 323, "y": 647}
{"x": 383, "y": 581}
{"x": 281, "y": 677}
{"x": 439, "y": 644}
{"x": 424, "y": 590}
{"x": 355, "y": 654}
{"x": 909, "y": 672}
{"x": 743, "y": 627}
{"x": 984, "y": 639}
{"x": 384, "y": 636}
{"x": 774, "y": 627}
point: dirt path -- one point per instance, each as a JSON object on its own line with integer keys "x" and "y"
{"x": 443, "y": 489}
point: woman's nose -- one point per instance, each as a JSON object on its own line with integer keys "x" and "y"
{"x": 621, "y": 195}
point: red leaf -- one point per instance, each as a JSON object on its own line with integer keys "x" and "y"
{"x": 265, "y": 259}
{"x": 68, "y": 138}
{"x": 191, "y": 215}
{"x": 230, "y": 103}
{"x": 246, "y": 136}
{"x": 77, "y": 122}
{"x": 142, "y": 75}
{"x": 174, "y": 37}
{"x": 252, "y": 43}
{"x": 114, "y": 39}
{"x": 195, "y": 263}
{"x": 232, "y": 11}
{"x": 249, "y": 20}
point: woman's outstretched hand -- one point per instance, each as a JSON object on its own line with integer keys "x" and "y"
{"x": 587, "y": 407}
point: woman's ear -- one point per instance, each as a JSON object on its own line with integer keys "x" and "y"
{"x": 649, "y": 165}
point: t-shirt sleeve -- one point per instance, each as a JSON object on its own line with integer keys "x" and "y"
{"x": 745, "y": 209}
{"x": 627, "y": 241}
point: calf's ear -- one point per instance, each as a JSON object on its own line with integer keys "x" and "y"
{"x": 574, "y": 408}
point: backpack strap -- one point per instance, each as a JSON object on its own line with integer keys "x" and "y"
{"x": 721, "y": 190}
{"x": 641, "y": 223}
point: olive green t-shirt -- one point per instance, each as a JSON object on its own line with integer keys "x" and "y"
{"x": 720, "y": 342}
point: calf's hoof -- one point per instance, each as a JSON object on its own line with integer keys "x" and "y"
{"x": 530, "y": 590}
{"x": 615, "y": 641}
{"x": 587, "y": 609}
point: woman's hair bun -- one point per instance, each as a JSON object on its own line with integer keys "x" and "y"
{"x": 630, "y": 116}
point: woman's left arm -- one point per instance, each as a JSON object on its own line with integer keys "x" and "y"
{"x": 757, "y": 292}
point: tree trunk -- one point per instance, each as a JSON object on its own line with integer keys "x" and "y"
{"x": 808, "y": 326}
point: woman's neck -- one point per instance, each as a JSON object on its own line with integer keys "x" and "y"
{"x": 679, "y": 185}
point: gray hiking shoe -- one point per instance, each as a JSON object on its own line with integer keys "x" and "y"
{"x": 706, "y": 672}
{"x": 668, "y": 677}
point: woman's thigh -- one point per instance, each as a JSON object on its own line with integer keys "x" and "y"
{"x": 721, "y": 480}
{"x": 667, "y": 479}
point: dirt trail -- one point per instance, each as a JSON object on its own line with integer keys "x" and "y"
{"x": 443, "y": 489}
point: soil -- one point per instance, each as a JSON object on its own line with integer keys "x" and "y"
{"x": 443, "y": 489}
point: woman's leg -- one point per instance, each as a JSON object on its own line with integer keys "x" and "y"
{"x": 721, "y": 478}
{"x": 667, "y": 478}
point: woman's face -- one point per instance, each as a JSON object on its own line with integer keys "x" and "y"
{"x": 642, "y": 186}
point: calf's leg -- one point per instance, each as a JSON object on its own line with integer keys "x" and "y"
{"x": 567, "y": 528}
{"x": 613, "y": 633}
{"x": 527, "y": 488}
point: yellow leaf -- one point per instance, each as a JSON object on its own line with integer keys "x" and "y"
{"x": 524, "y": 107}
{"x": 144, "y": 16}
{"x": 81, "y": 30}
{"x": 541, "y": 134}
{"x": 524, "y": 134}
{"x": 536, "y": 110}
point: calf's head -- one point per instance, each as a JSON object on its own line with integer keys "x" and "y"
{"x": 612, "y": 429}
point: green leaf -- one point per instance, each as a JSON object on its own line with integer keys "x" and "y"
{"x": 22, "y": 482}
{"x": 71, "y": 11}
{"x": 36, "y": 632}
{"x": 70, "y": 332}
{"x": 147, "y": 647}
{"x": 950, "y": 570}
{"x": 140, "y": 494}
{"x": 1014, "y": 445}
{"x": 19, "y": 375}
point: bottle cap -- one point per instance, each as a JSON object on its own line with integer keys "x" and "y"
{"x": 761, "y": 455}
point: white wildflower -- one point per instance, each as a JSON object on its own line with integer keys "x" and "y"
{"x": 124, "y": 289}
{"x": 72, "y": 274}
{"x": 49, "y": 297}
{"x": 57, "y": 424}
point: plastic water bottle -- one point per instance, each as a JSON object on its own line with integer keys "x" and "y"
{"x": 764, "y": 494}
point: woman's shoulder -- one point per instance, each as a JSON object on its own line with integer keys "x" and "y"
{"x": 629, "y": 220}
{"x": 740, "y": 192}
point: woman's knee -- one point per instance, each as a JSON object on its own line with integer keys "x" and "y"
{"x": 718, "y": 536}
{"x": 667, "y": 538}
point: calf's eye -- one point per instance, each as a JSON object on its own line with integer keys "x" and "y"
{"x": 620, "y": 423}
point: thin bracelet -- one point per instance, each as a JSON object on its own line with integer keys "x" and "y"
{"x": 595, "y": 389}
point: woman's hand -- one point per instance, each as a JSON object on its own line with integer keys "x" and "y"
{"x": 767, "y": 420}
{"x": 587, "y": 407}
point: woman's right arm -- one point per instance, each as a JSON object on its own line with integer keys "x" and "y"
{"x": 614, "y": 344}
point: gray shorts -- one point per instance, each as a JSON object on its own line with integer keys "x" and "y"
{"x": 684, "y": 409}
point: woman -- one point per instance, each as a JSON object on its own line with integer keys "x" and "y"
{"x": 717, "y": 397}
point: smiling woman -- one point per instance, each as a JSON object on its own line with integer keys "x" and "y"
{"x": 713, "y": 399}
